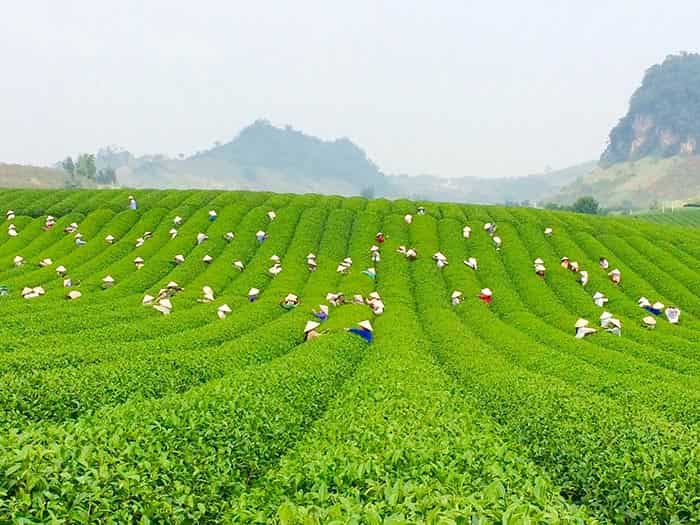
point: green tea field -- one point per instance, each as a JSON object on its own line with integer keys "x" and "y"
{"x": 155, "y": 369}
{"x": 679, "y": 217}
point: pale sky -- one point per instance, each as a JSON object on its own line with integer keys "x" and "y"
{"x": 451, "y": 88}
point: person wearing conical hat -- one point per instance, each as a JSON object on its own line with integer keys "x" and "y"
{"x": 238, "y": 265}
{"x": 490, "y": 228}
{"x": 10, "y": 215}
{"x": 173, "y": 233}
{"x": 212, "y": 215}
{"x": 574, "y": 266}
{"x": 140, "y": 242}
{"x": 68, "y": 282}
{"x": 108, "y": 282}
{"x": 179, "y": 259}
{"x": 583, "y": 278}
{"x": 271, "y": 215}
{"x": 614, "y": 327}
{"x": 311, "y": 265}
{"x": 657, "y": 308}
{"x": 371, "y": 273}
{"x": 110, "y": 239}
{"x": 411, "y": 254}
{"x": 486, "y": 295}
{"x": 582, "y": 329}
{"x": 375, "y": 256}
{"x": 73, "y": 294}
{"x": 253, "y": 294}
{"x": 538, "y": 261}
{"x": 177, "y": 221}
{"x": 603, "y": 263}
{"x": 290, "y": 302}
{"x": 201, "y": 237}
{"x": 408, "y": 218}
{"x": 649, "y": 322}
{"x": 132, "y": 203}
{"x": 322, "y": 313}
{"x": 229, "y": 236}
{"x": 615, "y": 276}
{"x": 45, "y": 262}
{"x": 222, "y": 311}
{"x": 61, "y": 270}
{"x": 139, "y": 262}
{"x": 673, "y": 314}
{"x": 207, "y": 294}
{"x": 310, "y": 331}
{"x": 421, "y": 210}
{"x": 79, "y": 241}
{"x": 207, "y": 259}
{"x": 564, "y": 262}
{"x": 261, "y": 236}
{"x": 472, "y": 263}
{"x": 497, "y": 242}
{"x": 548, "y": 232}
{"x": 540, "y": 270}
{"x": 275, "y": 270}
{"x": 377, "y": 306}
{"x": 466, "y": 232}
{"x": 401, "y": 249}
{"x": 379, "y": 238}
{"x": 18, "y": 260}
{"x": 364, "y": 330}
{"x": 147, "y": 235}
{"x": 12, "y": 231}
{"x": 336, "y": 299}
{"x": 599, "y": 299}
{"x": 164, "y": 306}
{"x": 605, "y": 319}
{"x": 4, "y": 290}
{"x": 456, "y": 298}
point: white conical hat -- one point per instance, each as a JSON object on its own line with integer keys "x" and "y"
{"x": 540, "y": 268}
{"x": 497, "y": 240}
{"x": 408, "y": 217}
{"x": 39, "y": 290}
{"x": 487, "y": 225}
{"x": 179, "y": 258}
{"x": 439, "y": 256}
{"x": 61, "y": 269}
{"x": 177, "y": 219}
{"x": 166, "y": 303}
{"x": 138, "y": 260}
{"x": 11, "y": 227}
{"x": 108, "y": 279}
{"x": 26, "y": 290}
{"x": 366, "y": 325}
{"x": 615, "y": 272}
{"x": 201, "y": 237}
{"x": 253, "y": 291}
{"x": 649, "y": 321}
{"x": 260, "y": 233}
{"x": 584, "y": 274}
{"x": 565, "y": 258}
{"x": 207, "y": 259}
{"x": 643, "y": 301}
{"x": 548, "y": 230}
{"x": 67, "y": 283}
{"x": 323, "y": 308}
{"x": 224, "y": 308}
{"x": 311, "y": 256}
{"x": 140, "y": 241}
{"x": 341, "y": 268}
{"x": 75, "y": 294}
{"x": 486, "y": 291}
{"x": 411, "y": 251}
{"x": 466, "y": 229}
{"x": 275, "y": 270}
{"x": 581, "y": 323}
{"x": 238, "y": 264}
{"x": 147, "y": 299}
{"x": 10, "y": 212}
{"x": 605, "y": 316}
{"x": 275, "y": 258}
{"x": 347, "y": 260}
{"x": 172, "y": 284}
{"x": 291, "y": 297}
{"x": 311, "y": 262}
{"x": 18, "y": 259}
{"x": 207, "y": 290}
{"x": 46, "y": 262}
{"x": 658, "y": 305}
{"x": 271, "y": 215}
{"x": 73, "y": 225}
{"x": 172, "y": 231}
{"x": 598, "y": 295}
{"x": 311, "y": 325}
{"x": 538, "y": 261}
{"x": 330, "y": 296}
{"x": 615, "y": 322}
{"x": 212, "y": 213}
{"x": 456, "y": 294}
{"x": 374, "y": 295}
{"x": 78, "y": 235}
{"x": 109, "y": 238}
{"x": 374, "y": 248}
{"x": 229, "y": 235}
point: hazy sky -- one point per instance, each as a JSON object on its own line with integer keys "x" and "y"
{"x": 448, "y": 87}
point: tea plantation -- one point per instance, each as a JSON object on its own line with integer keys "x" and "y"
{"x": 469, "y": 413}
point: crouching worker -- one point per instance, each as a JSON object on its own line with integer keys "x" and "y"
{"x": 582, "y": 329}
{"x": 290, "y": 302}
{"x": 322, "y": 314}
{"x": 364, "y": 330}
{"x": 310, "y": 331}
{"x": 486, "y": 295}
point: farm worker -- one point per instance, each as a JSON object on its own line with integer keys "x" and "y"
{"x": 497, "y": 242}
{"x": 490, "y": 228}
{"x": 614, "y": 327}
{"x": 45, "y": 262}
{"x": 421, "y": 210}
{"x": 107, "y": 282}
{"x": 582, "y": 329}
{"x": 147, "y": 299}
{"x": 50, "y": 223}
{"x": 603, "y": 262}
{"x": 61, "y": 270}
{"x": 342, "y": 268}
{"x": 573, "y": 266}
{"x": 147, "y": 235}
{"x": 548, "y": 232}
{"x": 599, "y": 299}
{"x": 261, "y": 236}
{"x": 179, "y": 259}
{"x": 311, "y": 265}
{"x": 222, "y": 311}
{"x": 471, "y": 262}
{"x": 310, "y": 330}
{"x": 322, "y": 313}
{"x": 71, "y": 228}
{"x": 139, "y": 262}
{"x": 411, "y": 254}
{"x": 583, "y": 278}
{"x": 10, "y": 215}
{"x": 4, "y": 290}
{"x": 239, "y": 265}
{"x": 173, "y": 233}
{"x": 79, "y": 241}
{"x": 456, "y": 298}
{"x": 408, "y": 218}
{"x": 212, "y": 215}
{"x": 290, "y": 302}
{"x": 336, "y": 299}
{"x": 271, "y": 215}
{"x": 539, "y": 270}
{"x": 673, "y": 314}
{"x": 615, "y": 276}
{"x": 164, "y": 306}
{"x": 347, "y": 261}
{"x": 18, "y": 260}
{"x": 174, "y": 287}
{"x": 12, "y": 231}
{"x": 207, "y": 259}
{"x": 657, "y": 308}
{"x": 253, "y": 294}
{"x": 538, "y": 261}
{"x": 201, "y": 237}
{"x": 364, "y": 330}
{"x": 275, "y": 258}
{"x": 401, "y": 249}
{"x": 358, "y": 299}
{"x": 140, "y": 242}
{"x": 375, "y": 256}
{"x": 486, "y": 295}
{"x": 110, "y": 239}
{"x": 68, "y": 283}
{"x": 275, "y": 270}
{"x": 379, "y": 237}
{"x": 207, "y": 294}
{"x": 373, "y": 296}
{"x": 132, "y": 202}
{"x": 643, "y": 302}
{"x": 466, "y": 232}
{"x": 649, "y": 322}
{"x": 311, "y": 257}
{"x": 228, "y": 236}
{"x": 440, "y": 260}
{"x": 564, "y": 262}
{"x": 177, "y": 221}
{"x": 371, "y": 273}
{"x": 74, "y": 294}
{"x": 605, "y": 319}
{"x": 377, "y": 305}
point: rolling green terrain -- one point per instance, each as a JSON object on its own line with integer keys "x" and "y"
{"x": 467, "y": 414}
{"x": 679, "y": 217}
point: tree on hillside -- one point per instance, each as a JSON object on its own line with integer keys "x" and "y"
{"x": 586, "y": 205}
{"x": 85, "y": 167}
{"x": 68, "y": 166}
{"x": 106, "y": 176}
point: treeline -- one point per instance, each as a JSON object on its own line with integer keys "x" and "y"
{"x": 84, "y": 166}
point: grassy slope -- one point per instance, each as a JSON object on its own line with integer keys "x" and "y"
{"x": 20, "y": 176}
{"x": 113, "y": 412}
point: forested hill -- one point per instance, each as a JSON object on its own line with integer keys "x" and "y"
{"x": 664, "y": 114}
